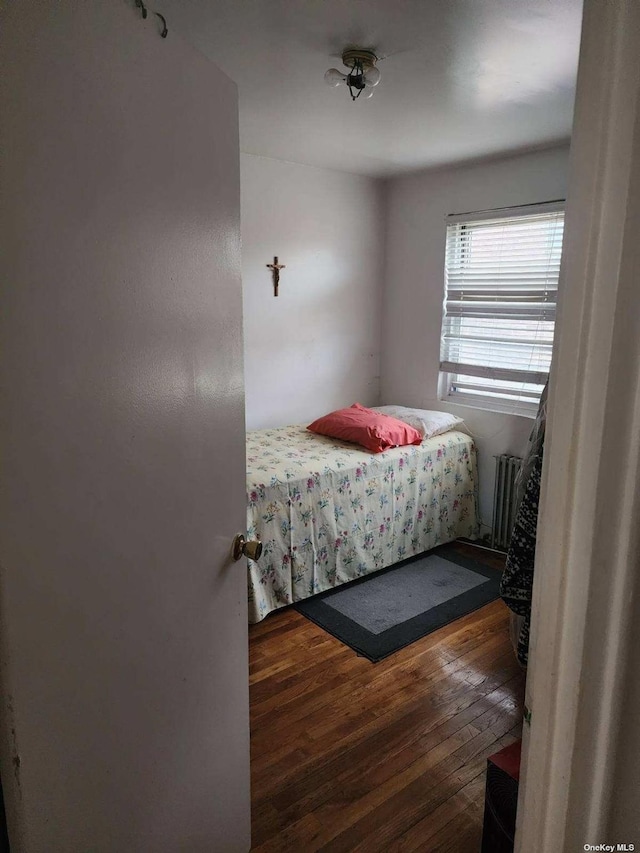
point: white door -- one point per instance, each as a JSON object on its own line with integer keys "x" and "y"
{"x": 124, "y": 626}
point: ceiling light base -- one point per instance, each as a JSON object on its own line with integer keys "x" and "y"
{"x": 352, "y": 55}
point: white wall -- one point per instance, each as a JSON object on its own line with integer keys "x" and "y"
{"x": 412, "y": 308}
{"x": 315, "y": 347}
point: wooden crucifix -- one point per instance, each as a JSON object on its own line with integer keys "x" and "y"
{"x": 275, "y": 268}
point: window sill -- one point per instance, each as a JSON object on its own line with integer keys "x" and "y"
{"x": 503, "y": 407}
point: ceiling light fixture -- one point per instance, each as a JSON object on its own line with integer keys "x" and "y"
{"x": 362, "y": 75}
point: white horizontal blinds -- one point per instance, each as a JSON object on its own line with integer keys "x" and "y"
{"x": 501, "y": 278}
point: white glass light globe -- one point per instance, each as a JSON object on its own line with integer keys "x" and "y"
{"x": 366, "y": 93}
{"x": 333, "y": 77}
{"x": 372, "y": 77}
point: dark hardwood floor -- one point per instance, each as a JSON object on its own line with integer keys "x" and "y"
{"x": 351, "y": 756}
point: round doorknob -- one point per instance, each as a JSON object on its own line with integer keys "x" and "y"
{"x": 241, "y": 547}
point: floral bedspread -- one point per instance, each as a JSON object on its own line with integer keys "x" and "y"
{"x": 328, "y": 512}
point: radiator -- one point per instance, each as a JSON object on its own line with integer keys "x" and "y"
{"x": 504, "y": 500}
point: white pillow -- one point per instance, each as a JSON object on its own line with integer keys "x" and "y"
{"x": 427, "y": 423}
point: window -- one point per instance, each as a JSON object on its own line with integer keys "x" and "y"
{"x": 501, "y": 283}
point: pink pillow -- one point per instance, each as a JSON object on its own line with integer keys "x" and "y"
{"x": 373, "y": 430}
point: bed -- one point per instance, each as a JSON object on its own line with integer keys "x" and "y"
{"x": 328, "y": 512}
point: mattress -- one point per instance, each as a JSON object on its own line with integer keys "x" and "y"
{"x": 328, "y": 512}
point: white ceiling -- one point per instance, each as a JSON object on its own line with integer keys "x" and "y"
{"x": 461, "y": 79}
